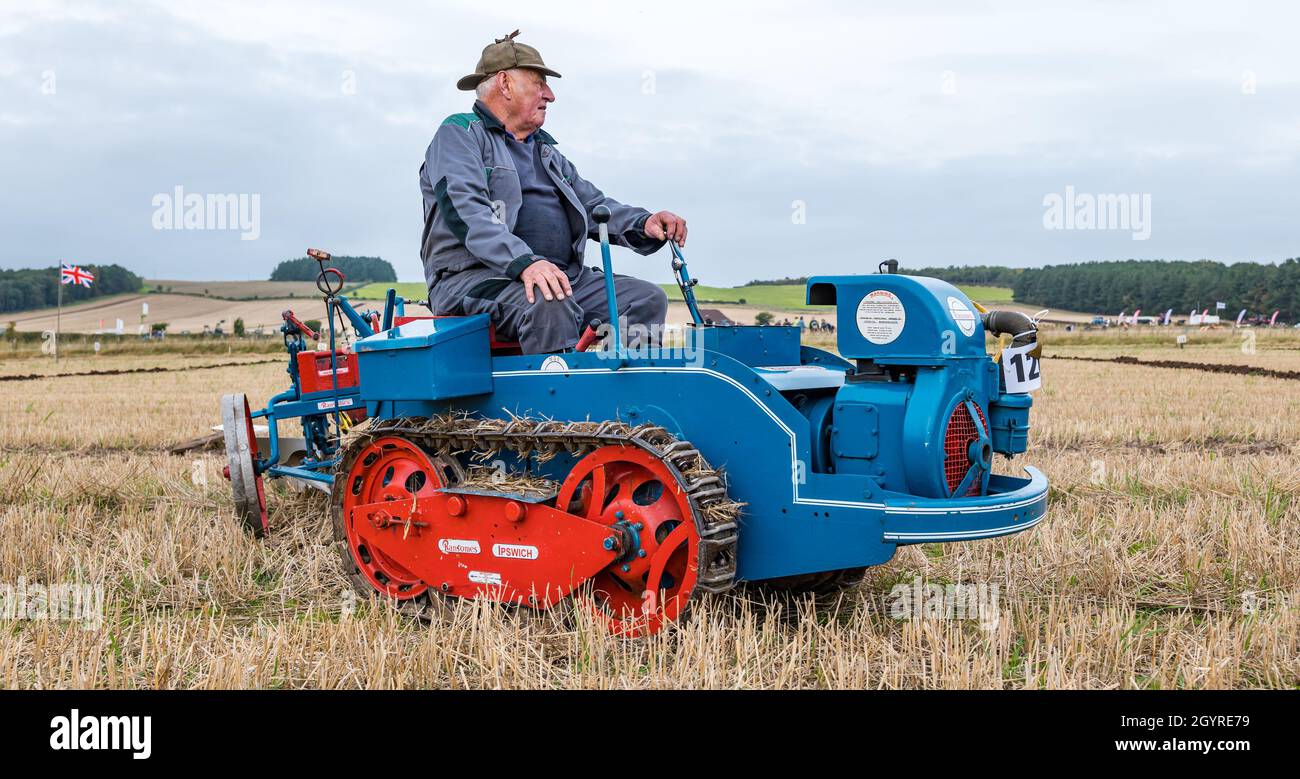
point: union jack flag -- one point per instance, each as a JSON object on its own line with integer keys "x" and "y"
{"x": 73, "y": 274}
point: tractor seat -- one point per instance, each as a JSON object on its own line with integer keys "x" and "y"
{"x": 800, "y": 377}
{"x": 499, "y": 348}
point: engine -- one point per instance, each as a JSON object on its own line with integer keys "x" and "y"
{"x": 925, "y": 408}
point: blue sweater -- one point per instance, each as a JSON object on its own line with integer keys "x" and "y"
{"x": 543, "y": 223}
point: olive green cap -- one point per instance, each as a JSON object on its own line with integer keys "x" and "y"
{"x": 504, "y": 54}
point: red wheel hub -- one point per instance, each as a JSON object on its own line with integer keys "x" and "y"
{"x": 389, "y": 469}
{"x": 627, "y": 488}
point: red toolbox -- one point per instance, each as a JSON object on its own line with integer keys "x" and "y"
{"x": 314, "y": 370}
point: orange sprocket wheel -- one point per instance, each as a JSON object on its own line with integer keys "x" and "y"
{"x": 390, "y": 468}
{"x": 643, "y": 497}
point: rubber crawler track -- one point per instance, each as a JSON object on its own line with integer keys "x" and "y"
{"x": 1240, "y": 370}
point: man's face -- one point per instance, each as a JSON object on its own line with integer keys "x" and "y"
{"x": 530, "y": 96}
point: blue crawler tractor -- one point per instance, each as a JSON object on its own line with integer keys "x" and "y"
{"x": 639, "y": 478}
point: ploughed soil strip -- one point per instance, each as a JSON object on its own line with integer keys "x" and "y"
{"x": 1240, "y": 370}
{"x": 1221, "y": 446}
{"x": 123, "y": 371}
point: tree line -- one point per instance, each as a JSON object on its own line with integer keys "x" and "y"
{"x": 982, "y": 275}
{"x": 1125, "y": 285}
{"x": 355, "y": 268}
{"x": 986, "y": 275}
{"x": 1159, "y": 285}
{"x": 32, "y": 288}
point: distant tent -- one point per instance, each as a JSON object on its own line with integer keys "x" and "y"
{"x": 715, "y": 316}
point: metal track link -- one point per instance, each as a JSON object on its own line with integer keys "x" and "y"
{"x": 716, "y": 517}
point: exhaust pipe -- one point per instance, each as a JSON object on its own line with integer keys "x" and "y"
{"x": 1021, "y": 327}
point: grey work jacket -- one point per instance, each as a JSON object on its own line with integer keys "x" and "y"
{"x": 472, "y": 197}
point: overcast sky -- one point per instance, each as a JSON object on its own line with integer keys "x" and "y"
{"x": 795, "y": 137}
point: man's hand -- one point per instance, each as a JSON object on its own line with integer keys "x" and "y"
{"x": 549, "y": 278}
{"x": 665, "y": 225}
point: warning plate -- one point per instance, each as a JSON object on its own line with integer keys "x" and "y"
{"x": 485, "y": 577}
{"x": 881, "y": 316}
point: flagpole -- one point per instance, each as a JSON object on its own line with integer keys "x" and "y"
{"x": 58, "y": 318}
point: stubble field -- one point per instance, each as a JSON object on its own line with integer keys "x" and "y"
{"x": 1167, "y": 559}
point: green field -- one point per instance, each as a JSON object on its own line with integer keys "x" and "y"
{"x": 785, "y": 297}
{"x": 411, "y": 290}
{"x": 986, "y": 294}
{"x": 789, "y": 297}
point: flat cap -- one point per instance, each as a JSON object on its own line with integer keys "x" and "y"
{"x": 504, "y": 54}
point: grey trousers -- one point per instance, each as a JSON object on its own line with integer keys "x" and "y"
{"x": 551, "y": 325}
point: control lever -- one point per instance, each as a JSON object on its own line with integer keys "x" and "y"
{"x": 589, "y": 336}
{"x": 685, "y": 282}
{"x": 330, "y": 289}
{"x": 289, "y": 317}
{"x": 600, "y": 215}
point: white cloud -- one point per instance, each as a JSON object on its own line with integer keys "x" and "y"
{"x": 930, "y": 135}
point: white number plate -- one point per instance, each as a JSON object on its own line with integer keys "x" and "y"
{"x": 1021, "y": 371}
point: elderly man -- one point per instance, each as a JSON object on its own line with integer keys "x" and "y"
{"x": 507, "y": 217}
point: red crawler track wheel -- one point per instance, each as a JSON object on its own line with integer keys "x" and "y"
{"x": 655, "y": 575}
{"x": 394, "y": 469}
